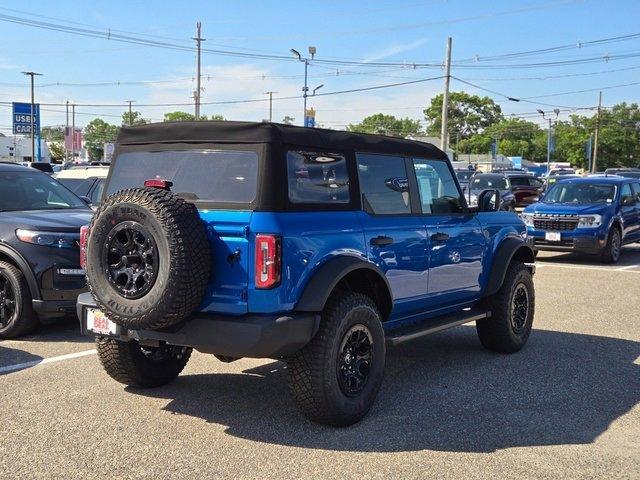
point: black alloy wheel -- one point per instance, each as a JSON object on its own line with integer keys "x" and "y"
{"x": 132, "y": 259}
{"x": 354, "y": 360}
{"x": 519, "y": 308}
{"x": 7, "y": 301}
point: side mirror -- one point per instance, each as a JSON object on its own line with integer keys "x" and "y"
{"x": 489, "y": 201}
{"x": 86, "y": 200}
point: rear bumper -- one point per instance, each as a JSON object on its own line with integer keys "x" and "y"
{"x": 54, "y": 308}
{"x": 256, "y": 336}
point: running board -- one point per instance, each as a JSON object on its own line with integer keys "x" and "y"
{"x": 435, "y": 325}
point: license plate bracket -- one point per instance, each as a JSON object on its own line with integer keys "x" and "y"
{"x": 98, "y": 323}
{"x": 552, "y": 236}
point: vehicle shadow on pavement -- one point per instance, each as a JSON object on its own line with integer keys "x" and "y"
{"x": 58, "y": 330}
{"x": 441, "y": 393}
{"x": 13, "y": 356}
{"x": 630, "y": 255}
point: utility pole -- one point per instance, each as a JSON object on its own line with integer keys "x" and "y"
{"x": 270, "y": 93}
{"x": 33, "y": 132}
{"x": 130, "y": 112}
{"x": 66, "y": 131}
{"x": 597, "y": 136}
{"x": 444, "y": 137}
{"x": 549, "y": 147}
{"x": 196, "y": 97}
{"x": 73, "y": 132}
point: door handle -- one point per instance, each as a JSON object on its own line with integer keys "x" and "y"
{"x": 381, "y": 241}
{"x": 440, "y": 237}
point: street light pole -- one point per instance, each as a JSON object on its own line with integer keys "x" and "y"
{"x": 444, "y": 134}
{"x": 33, "y": 138}
{"x": 305, "y": 89}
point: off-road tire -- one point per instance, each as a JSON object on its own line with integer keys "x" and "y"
{"x": 183, "y": 253}
{"x": 126, "y": 363}
{"x": 609, "y": 253}
{"x": 497, "y": 333}
{"x": 313, "y": 375}
{"x": 23, "y": 320}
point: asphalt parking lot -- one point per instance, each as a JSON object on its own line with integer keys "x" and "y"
{"x": 564, "y": 407}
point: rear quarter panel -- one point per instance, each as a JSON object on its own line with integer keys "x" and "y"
{"x": 309, "y": 239}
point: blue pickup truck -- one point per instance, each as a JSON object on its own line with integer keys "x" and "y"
{"x": 592, "y": 215}
{"x": 316, "y": 247}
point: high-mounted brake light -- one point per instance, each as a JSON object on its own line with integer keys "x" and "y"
{"x": 158, "y": 183}
{"x": 84, "y": 237}
{"x": 268, "y": 261}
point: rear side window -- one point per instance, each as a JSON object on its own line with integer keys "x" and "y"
{"x": 384, "y": 184}
{"x": 519, "y": 181}
{"x": 316, "y": 177}
{"x": 218, "y": 176}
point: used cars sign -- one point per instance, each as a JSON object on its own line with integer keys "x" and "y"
{"x": 22, "y": 118}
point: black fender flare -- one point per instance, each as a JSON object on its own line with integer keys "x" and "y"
{"x": 509, "y": 248}
{"x": 324, "y": 280}
{"x": 24, "y": 267}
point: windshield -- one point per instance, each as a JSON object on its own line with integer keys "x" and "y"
{"x": 224, "y": 176}
{"x": 483, "y": 182}
{"x": 464, "y": 176}
{"x": 35, "y": 190}
{"x": 79, "y": 186}
{"x": 629, "y": 174}
{"x": 580, "y": 193}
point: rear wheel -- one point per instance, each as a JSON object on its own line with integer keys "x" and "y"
{"x": 140, "y": 366}
{"x": 336, "y": 377}
{"x": 611, "y": 252}
{"x": 16, "y": 311}
{"x": 512, "y": 311}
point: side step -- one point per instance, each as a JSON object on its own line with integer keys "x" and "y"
{"x": 434, "y": 325}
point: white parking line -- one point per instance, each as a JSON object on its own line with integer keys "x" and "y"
{"x": 582, "y": 267}
{"x": 44, "y": 361}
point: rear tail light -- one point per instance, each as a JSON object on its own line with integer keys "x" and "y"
{"x": 268, "y": 261}
{"x": 160, "y": 183}
{"x": 84, "y": 236}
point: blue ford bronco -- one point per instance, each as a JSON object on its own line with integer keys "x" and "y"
{"x": 592, "y": 215}
{"x": 315, "y": 247}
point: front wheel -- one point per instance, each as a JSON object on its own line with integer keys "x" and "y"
{"x": 16, "y": 312}
{"x": 611, "y": 252}
{"x": 141, "y": 366}
{"x": 512, "y": 310}
{"x": 336, "y": 377}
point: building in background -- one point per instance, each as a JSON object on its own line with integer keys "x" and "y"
{"x": 17, "y": 149}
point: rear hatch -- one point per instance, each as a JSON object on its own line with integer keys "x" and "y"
{"x": 222, "y": 183}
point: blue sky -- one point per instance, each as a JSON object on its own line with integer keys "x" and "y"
{"x": 401, "y": 31}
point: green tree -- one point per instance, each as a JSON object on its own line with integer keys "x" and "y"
{"x": 134, "y": 119}
{"x": 52, "y": 134}
{"x": 189, "y": 117}
{"x": 468, "y": 114}
{"x": 96, "y": 134}
{"x": 480, "y": 144}
{"x": 56, "y": 150}
{"x": 288, "y": 120}
{"x": 387, "y": 125}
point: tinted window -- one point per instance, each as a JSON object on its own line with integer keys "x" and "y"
{"x": 636, "y": 191}
{"x": 226, "y": 176}
{"x": 438, "y": 191}
{"x": 534, "y": 182}
{"x": 625, "y": 193}
{"x": 384, "y": 184}
{"x": 96, "y": 195}
{"x": 464, "y": 175}
{"x": 519, "y": 181}
{"x": 482, "y": 182}
{"x": 34, "y": 191}
{"x": 317, "y": 177}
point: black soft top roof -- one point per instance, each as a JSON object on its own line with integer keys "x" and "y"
{"x": 266, "y": 132}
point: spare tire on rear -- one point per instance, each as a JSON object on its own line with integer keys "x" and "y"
{"x": 148, "y": 258}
